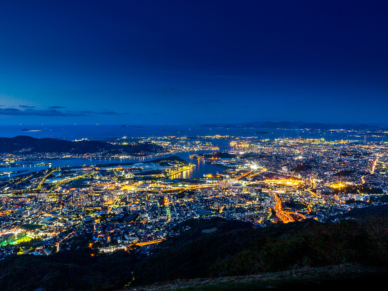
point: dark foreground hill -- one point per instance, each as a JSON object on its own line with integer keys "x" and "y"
{"x": 49, "y": 145}
{"x": 340, "y": 277}
{"x": 276, "y": 248}
{"x": 76, "y": 270}
{"x": 210, "y": 249}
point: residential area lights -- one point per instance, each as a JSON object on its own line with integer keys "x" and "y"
{"x": 138, "y": 206}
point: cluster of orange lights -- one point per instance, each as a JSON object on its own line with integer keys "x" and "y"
{"x": 338, "y": 185}
{"x": 239, "y": 144}
{"x": 128, "y": 187}
{"x": 285, "y": 182}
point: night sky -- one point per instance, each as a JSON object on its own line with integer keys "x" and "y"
{"x": 193, "y": 62}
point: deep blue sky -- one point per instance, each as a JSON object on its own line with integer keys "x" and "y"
{"x": 181, "y": 62}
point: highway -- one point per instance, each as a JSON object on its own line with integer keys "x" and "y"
{"x": 254, "y": 174}
{"x": 57, "y": 244}
{"x": 242, "y": 176}
{"x": 279, "y": 209}
{"x": 45, "y": 177}
{"x": 286, "y": 216}
{"x": 151, "y": 242}
{"x": 374, "y": 165}
{"x": 71, "y": 179}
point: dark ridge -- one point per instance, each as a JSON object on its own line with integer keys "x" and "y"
{"x": 168, "y": 160}
{"x": 33, "y": 145}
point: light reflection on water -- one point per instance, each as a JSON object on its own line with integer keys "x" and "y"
{"x": 196, "y": 172}
{"x": 199, "y": 170}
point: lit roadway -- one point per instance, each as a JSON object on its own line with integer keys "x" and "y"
{"x": 279, "y": 209}
{"x": 151, "y": 242}
{"x": 371, "y": 172}
{"x": 284, "y": 216}
{"x": 374, "y": 165}
{"x": 248, "y": 175}
{"x": 45, "y": 177}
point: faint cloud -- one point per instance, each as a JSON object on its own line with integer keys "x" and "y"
{"x": 26, "y": 106}
{"x": 56, "y": 107}
{"x": 109, "y": 113}
{"x": 52, "y": 112}
{"x": 33, "y": 112}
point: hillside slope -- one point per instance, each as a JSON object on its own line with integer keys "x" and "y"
{"x": 346, "y": 276}
{"x": 211, "y": 249}
{"x": 279, "y": 247}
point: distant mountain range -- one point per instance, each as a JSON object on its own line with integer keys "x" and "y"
{"x": 295, "y": 125}
{"x": 46, "y": 145}
{"x": 132, "y": 126}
